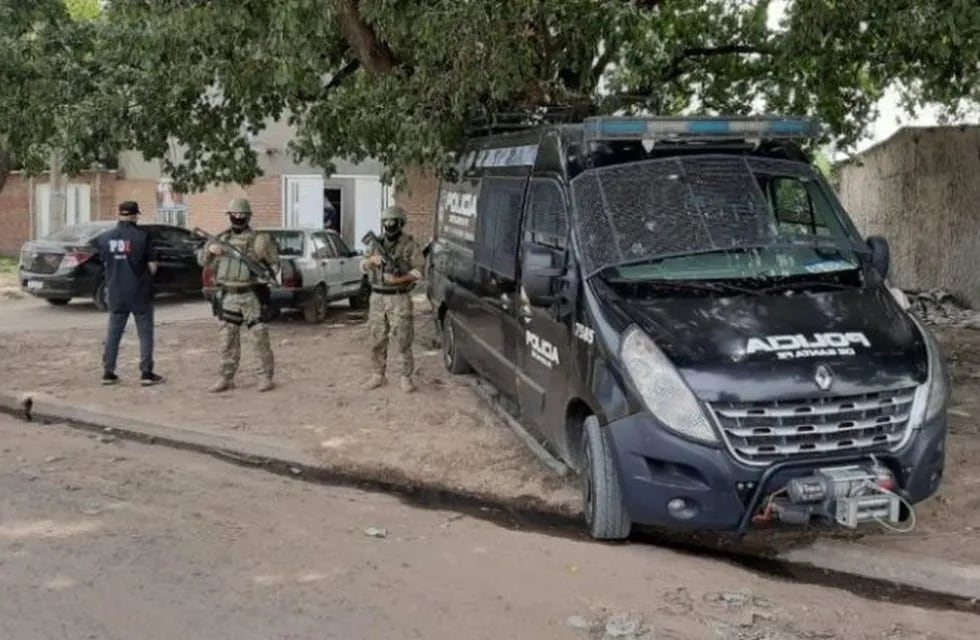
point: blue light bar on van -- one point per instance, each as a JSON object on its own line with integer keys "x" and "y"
{"x": 618, "y": 128}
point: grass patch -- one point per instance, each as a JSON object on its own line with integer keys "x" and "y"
{"x": 8, "y": 271}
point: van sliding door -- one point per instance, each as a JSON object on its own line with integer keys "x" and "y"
{"x": 498, "y": 222}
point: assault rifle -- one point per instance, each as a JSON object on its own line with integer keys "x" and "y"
{"x": 389, "y": 264}
{"x": 263, "y": 271}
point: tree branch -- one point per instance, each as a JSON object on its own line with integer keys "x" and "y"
{"x": 374, "y": 54}
{"x": 674, "y": 68}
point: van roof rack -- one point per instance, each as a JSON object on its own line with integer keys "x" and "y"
{"x": 505, "y": 121}
{"x": 698, "y": 127}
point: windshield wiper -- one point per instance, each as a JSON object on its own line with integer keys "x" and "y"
{"x": 808, "y": 284}
{"x": 817, "y": 244}
{"x": 712, "y": 286}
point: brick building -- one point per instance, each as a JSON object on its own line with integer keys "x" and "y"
{"x": 287, "y": 194}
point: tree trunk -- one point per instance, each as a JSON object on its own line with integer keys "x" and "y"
{"x": 5, "y": 162}
{"x": 375, "y": 56}
{"x": 57, "y": 208}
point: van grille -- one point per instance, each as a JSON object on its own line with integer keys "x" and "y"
{"x": 766, "y": 432}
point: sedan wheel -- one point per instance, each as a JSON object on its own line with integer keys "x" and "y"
{"x": 100, "y": 297}
{"x": 316, "y": 309}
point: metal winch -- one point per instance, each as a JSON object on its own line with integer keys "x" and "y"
{"x": 848, "y": 495}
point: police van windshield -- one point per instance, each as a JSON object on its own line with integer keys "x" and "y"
{"x": 711, "y": 217}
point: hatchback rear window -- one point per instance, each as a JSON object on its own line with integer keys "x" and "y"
{"x": 290, "y": 243}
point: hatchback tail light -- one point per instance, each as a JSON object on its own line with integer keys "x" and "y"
{"x": 292, "y": 278}
{"x": 207, "y": 277}
{"x": 75, "y": 258}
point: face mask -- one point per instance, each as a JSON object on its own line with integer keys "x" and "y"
{"x": 392, "y": 229}
{"x": 239, "y": 222}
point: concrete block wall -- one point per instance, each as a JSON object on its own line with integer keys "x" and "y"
{"x": 921, "y": 190}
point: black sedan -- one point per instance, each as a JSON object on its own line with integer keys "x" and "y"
{"x": 66, "y": 264}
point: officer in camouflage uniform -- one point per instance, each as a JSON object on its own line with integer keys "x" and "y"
{"x": 239, "y": 305}
{"x": 390, "y": 311}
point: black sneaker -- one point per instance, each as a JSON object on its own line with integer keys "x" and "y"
{"x": 150, "y": 379}
{"x": 109, "y": 378}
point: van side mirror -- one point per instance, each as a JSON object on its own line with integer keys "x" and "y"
{"x": 880, "y": 254}
{"x": 539, "y": 273}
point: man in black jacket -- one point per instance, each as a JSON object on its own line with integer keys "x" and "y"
{"x": 130, "y": 263}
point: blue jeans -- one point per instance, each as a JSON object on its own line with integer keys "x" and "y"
{"x": 144, "y": 328}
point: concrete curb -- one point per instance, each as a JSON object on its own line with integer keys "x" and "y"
{"x": 911, "y": 572}
{"x": 271, "y": 456}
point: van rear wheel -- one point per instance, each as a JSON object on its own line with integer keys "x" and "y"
{"x": 450, "y": 353}
{"x": 602, "y": 496}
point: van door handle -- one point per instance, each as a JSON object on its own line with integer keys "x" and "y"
{"x": 505, "y": 301}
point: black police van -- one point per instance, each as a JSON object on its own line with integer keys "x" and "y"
{"x": 682, "y": 309}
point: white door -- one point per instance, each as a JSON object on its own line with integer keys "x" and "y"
{"x": 304, "y": 201}
{"x": 42, "y": 209}
{"x": 78, "y": 206}
{"x": 368, "y": 203}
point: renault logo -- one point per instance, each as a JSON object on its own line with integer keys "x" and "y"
{"x": 824, "y": 378}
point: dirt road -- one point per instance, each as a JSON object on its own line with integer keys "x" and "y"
{"x": 440, "y": 436}
{"x": 111, "y": 540}
{"x": 26, "y": 313}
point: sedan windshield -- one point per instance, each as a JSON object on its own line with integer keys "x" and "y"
{"x": 711, "y": 217}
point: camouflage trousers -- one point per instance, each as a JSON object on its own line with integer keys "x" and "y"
{"x": 247, "y": 307}
{"x": 390, "y": 316}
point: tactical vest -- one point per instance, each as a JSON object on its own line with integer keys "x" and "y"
{"x": 398, "y": 251}
{"x": 230, "y": 270}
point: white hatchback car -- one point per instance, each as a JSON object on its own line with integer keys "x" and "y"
{"x": 316, "y": 268}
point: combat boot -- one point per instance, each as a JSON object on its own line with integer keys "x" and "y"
{"x": 407, "y": 385}
{"x": 222, "y": 385}
{"x": 266, "y": 384}
{"x": 374, "y": 381}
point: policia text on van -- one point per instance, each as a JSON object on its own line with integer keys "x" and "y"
{"x": 685, "y": 312}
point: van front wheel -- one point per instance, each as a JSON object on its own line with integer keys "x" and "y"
{"x": 602, "y": 496}
{"x": 450, "y": 352}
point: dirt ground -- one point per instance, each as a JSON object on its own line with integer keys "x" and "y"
{"x": 113, "y": 541}
{"x": 441, "y": 435}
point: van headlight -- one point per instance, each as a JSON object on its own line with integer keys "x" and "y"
{"x": 662, "y": 389}
{"x": 937, "y": 388}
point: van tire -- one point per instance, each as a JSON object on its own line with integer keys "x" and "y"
{"x": 450, "y": 351}
{"x": 602, "y": 495}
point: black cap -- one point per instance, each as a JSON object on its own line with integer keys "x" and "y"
{"x": 129, "y": 208}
